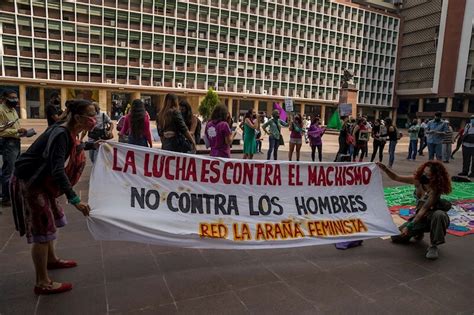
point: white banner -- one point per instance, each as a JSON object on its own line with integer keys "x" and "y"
{"x": 161, "y": 197}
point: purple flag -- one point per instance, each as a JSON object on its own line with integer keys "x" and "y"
{"x": 281, "y": 110}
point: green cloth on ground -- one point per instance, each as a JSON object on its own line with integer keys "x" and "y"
{"x": 335, "y": 121}
{"x": 403, "y": 195}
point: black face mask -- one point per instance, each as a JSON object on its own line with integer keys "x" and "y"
{"x": 424, "y": 180}
{"x": 437, "y": 119}
{"x": 11, "y": 102}
{"x": 254, "y": 116}
{"x": 56, "y": 102}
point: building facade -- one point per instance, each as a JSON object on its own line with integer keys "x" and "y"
{"x": 253, "y": 52}
{"x": 436, "y": 70}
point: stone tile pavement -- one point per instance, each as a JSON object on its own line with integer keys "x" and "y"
{"x": 129, "y": 278}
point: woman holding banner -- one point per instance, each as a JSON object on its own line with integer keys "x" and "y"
{"x": 172, "y": 129}
{"x": 431, "y": 180}
{"x": 40, "y": 177}
{"x": 251, "y": 124}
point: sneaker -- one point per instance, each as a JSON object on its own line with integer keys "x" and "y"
{"x": 462, "y": 174}
{"x": 432, "y": 252}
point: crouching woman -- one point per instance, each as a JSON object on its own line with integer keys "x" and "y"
{"x": 431, "y": 180}
{"x": 40, "y": 177}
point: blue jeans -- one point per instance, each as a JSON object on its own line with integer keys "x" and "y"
{"x": 435, "y": 149}
{"x": 274, "y": 144}
{"x": 10, "y": 149}
{"x": 412, "y": 149}
{"x": 391, "y": 152}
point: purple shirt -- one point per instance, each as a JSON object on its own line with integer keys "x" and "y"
{"x": 315, "y": 132}
{"x": 216, "y": 133}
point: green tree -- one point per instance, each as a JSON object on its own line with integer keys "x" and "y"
{"x": 208, "y": 103}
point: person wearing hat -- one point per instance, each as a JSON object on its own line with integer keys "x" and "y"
{"x": 468, "y": 149}
{"x": 435, "y": 132}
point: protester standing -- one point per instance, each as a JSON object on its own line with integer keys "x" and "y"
{"x": 431, "y": 180}
{"x": 296, "y": 137}
{"x": 103, "y": 130}
{"x": 468, "y": 149}
{"x": 315, "y": 134}
{"x": 343, "y": 138}
{"x": 137, "y": 125}
{"x": 435, "y": 131}
{"x": 361, "y": 136}
{"x": 275, "y": 138}
{"x": 172, "y": 128}
{"x": 53, "y": 110}
{"x": 192, "y": 122}
{"x": 422, "y": 136}
{"x": 392, "y": 134}
{"x": 379, "y": 134}
{"x": 447, "y": 143}
{"x": 219, "y": 133}
{"x": 40, "y": 178}
{"x": 9, "y": 139}
{"x": 251, "y": 124}
{"x": 458, "y": 140}
{"x": 413, "y": 131}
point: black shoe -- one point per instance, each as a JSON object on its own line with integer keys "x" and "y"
{"x": 401, "y": 239}
{"x": 462, "y": 174}
{"x": 6, "y": 203}
{"x": 471, "y": 175}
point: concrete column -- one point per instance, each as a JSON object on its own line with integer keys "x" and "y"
{"x": 302, "y": 107}
{"x": 449, "y": 105}
{"x": 323, "y": 115}
{"x": 394, "y": 116}
{"x": 255, "y": 105}
{"x": 420, "y": 105}
{"x": 269, "y": 107}
{"x": 22, "y": 97}
{"x": 42, "y": 103}
{"x": 377, "y": 114}
{"x": 465, "y": 107}
{"x": 237, "y": 110}
{"x": 63, "y": 98}
{"x": 103, "y": 104}
{"x": 136, "y": 95}
{"x": 230, "y": 106}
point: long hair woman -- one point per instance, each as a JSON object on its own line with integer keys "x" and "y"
{"x": 296, "y": 137}
{"x": 137, "y": 125}
{"x": 315, "y": 134}
{"x": 219, "y": 133}
{"x": 251, "y": 124}
{"x": 40, "y": 178}
{"x": 191, "y": 121}
{"x": 361, "y": 141}
{"x": 431, "y": 180}
{"x": 174, "y": 133}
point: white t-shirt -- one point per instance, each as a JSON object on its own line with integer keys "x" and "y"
{"x": 468, "y": 129}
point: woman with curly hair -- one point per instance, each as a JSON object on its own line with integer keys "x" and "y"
{"x": 431, "y": 180}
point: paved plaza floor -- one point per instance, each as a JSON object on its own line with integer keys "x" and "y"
{"x": 130, "y": 278}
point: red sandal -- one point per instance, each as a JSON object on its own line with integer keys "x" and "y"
{"x": 60, "y": 264}
{"x": 39, "y": 290}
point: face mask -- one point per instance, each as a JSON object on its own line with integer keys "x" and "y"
{"x": 437, "y": 119}
{"x": 12, "y": 102}
{"x": 56, "y": 102}
{"x": 90, "y": 123}
{"x": 424, "y": 180}
{"x": 276, "y": 117}
{"x": 254, "y": 116}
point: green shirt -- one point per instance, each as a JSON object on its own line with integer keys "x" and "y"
{"x": 413, "y": 131}
{"x": 274, "y": 127}
{"x": 9, "y": 114}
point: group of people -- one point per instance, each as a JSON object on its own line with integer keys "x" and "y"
{"x": 53, "y": 164}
